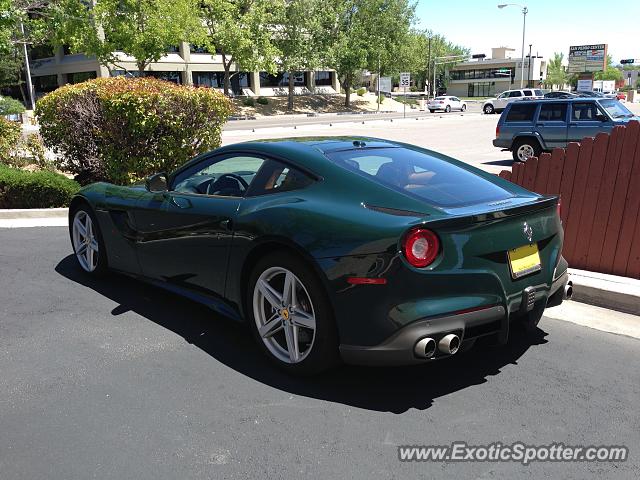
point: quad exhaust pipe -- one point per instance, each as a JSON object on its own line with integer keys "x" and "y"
{"x": 426, "y": 347}
{"x": 449, "y": 344}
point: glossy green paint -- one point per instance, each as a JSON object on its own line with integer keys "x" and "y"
{"x": 333, "y": 225}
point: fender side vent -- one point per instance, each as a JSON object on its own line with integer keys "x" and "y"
{"x": 395, "y": 211}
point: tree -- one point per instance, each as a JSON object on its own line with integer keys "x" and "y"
{"x": 556, "y": 72}
{"x": 239, "y": 30}
{"x": 364, "y": 34}
{"x": 299, "y": 38}
{"x": 609, "y": 73}
{"x": 142, "y": 29}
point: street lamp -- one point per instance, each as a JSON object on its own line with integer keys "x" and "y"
{"x": 525, "y": 10}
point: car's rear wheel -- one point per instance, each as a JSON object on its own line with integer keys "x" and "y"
{"x": 432, "y": 111}
{"x": 463, "y": 108}
{"x": 290, "y": 315}
{"x": 87, "y": 242}
{"x": 447, "y": 109}
{"x": 525, "y": 148}
{"x": 488, "y": 109}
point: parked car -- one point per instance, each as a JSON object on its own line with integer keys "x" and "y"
{"x": 498, "y": 104}
{"x": 560, "y": 94}
{"x": 529, "y": 128}
{"x": 621, "y": 96}
{"x": 590, "y": 93}
{"x": 358, "y": 249}
{"x": 446, "y": 103}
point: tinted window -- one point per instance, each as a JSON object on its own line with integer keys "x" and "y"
{"x": 277, "y": 177}
{"x": 515, "y": 93}
{"x": 584, "y": 112}
{"x": 521, "y": 112}
{"x": 227, "y": 177}
{"x": 553, "y": 112}
{"x": 528, "y": 93}
{"x": 430, "y": 178}
{"x": 539, "y": 93}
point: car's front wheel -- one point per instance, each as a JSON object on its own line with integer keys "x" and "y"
{"x": 488, "y": 109}
{"x": 290, "y": 315}
{"x": 463, "y": 108}
{"x": 87, "y": 242}
{"x": 447, "y": 108}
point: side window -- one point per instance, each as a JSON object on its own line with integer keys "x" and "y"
{"x": 584, "y": 112}
{"x": 528, "y": 93}
{"x": 277, "y": 177}
{"x": 515, "y": 93}
{"x": 230, "y": 176}
{"x": 521, "y": 112}
{"x": 503, "y": 95}
{"x": 539, "y": 93}
{"x": 553, "y": 112}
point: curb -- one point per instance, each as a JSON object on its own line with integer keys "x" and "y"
{"x": 609, "y": 291}
{"x": 20, "y": 213}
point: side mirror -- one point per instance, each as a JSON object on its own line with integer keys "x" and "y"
{"x": 157, "y": 183}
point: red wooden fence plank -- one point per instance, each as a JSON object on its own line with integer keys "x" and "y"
{"x": 555, "y": 172}
{"x": 506, "y": 174}
{"x": 614, "y": 222}
{"x": 516, "y": 173}
{"x": 633, "y": 266}
{"x": 590, "y": 200}
{"x": 605, "y": 197}
{"x": 542, "y": 175}
{"x": 530, "y": 169}
{"x": 573, "y": 227}
{"x": 568, "y": 174}
{"x": 629, "y": 219}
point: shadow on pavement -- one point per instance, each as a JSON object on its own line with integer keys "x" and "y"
{"x": 382, "y": 389}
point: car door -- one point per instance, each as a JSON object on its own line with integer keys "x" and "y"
{"x": 552, "y": 123}
{"x": 185, "y": 233}
{"x": 501, "y": 101}
{"x": 587, "y": 120}
{"x": 455, "y": 103}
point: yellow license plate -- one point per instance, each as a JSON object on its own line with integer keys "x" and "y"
{"x": 524, "y": 260}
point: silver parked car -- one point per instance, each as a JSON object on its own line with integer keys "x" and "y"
{"x": 446, "y": 103}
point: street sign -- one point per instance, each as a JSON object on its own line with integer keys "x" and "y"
{"x": 587, "y": 58}
{"x": 627, "y": 60}
{"x": 585, "y": 85}
{"x": 405, "y": 80}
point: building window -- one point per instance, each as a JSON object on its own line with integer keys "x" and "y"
{"x": 46, "y": 83}
{"x": 173, "y": 77}
{"x": 477, "y": 74}
{"x": 323, "y": 79}
{"x": 42, "y": 51}
{"x": 216, "y": 80}
{"x": 480, "y": 89}
{"x": 282, "y": 79}
{"x": 198, "y": 48}
{"x": 80, "y": 77}
{"x": 173, "y": 49}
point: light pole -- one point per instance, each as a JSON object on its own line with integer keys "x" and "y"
{"x": 525, "y": 10}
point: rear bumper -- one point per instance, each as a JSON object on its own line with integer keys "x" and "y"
{"x": 501, "y": 143}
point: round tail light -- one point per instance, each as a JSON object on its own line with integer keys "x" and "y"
{"x": 421, "y": 247}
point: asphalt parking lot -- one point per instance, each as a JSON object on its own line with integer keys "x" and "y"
{"x": 115, "y": 379}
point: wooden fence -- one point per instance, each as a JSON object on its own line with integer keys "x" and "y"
{"x": 599, "y": 185}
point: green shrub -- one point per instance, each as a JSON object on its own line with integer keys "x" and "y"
{"x": 124, "y": 129}
{"x": 361, "y": 91}
{"x": 10, "y": 106}
{"x": 413, "y": 88}
{"x": 249, "y": 102}
{"x": 380, "y": 98}
{"x": 10, "y": 133}
{"x": 22, "y": 189}
{"x": 263, "y": 100}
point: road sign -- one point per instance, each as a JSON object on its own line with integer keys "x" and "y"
{"x": 405, "y": 80}
{"x": 587, "y": 58}
{"x": 627, "y": 60}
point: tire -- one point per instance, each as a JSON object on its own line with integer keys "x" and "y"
{"x": 447, "y": 109}
{"x": 304, "y": 348}
{"x": 488, "y": 109}
{"x": 525, "y": 148}
{"x": 464, "y": 108}
{"x": 432, "y": 111}
{"x": 87, "y": 242}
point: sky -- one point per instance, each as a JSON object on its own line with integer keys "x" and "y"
{"x": 552, "y": 25}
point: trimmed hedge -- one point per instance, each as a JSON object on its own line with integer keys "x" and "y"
{"x": 361, "y": 91}
{"x": 124, "y": 129}
{"x": 22, "y": 189}
{"x": 10, "y": 106}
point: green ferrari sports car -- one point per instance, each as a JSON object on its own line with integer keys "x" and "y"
{"x": 355, "y": 249}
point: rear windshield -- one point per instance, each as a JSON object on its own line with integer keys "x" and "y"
{"x": 437, "y": 181}
{"x": 521, "y": 112}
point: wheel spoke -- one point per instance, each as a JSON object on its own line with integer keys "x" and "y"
{"x": 291, "y": 336}
{"x": 89, "y": 256}
{"x": 289, "y": 290}
{"x": 82, "y": 249}
{"x": 94, "y": 245}
{"x": 80, "y": 228}
{"x": 271, "y": 327}
{"x": 303, "y": 319}
{"x": 89, "y": 227}
{"x": 273, "y": 297}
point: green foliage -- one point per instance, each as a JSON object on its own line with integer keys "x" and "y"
{"x": 361, "y": 91}
{"x": 263, "y": 100}
{"x": 556, "y": 73}
{"x": 142, "y": 29}
{"x": 10, "y": 106}
{"x": 380, "y": 98}
{"x": 10, "y": 133}
{"x": 610, "y": 72}
{"x": 122, "y": 130}
{"x": 238, "y": 30}
{"x": 249, "y": 102}
{"x": 22, "y": 189}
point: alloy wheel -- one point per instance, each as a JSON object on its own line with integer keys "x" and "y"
{"x": 284, "y": 315}
{"x": 525, "y": 151}
{"x": 85, "y": 243}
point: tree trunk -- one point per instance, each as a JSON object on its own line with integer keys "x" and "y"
{"x": 141, "y": 66}
{"x": 291, "y": 91}
{"x": 227, "y": 75}
{"x": 347, "y": 90}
